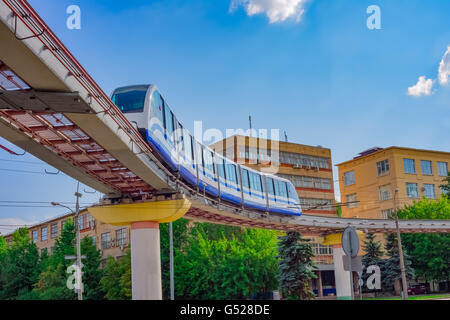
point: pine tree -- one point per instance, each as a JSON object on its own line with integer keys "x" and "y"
{"x": 296, "y": 266}
{"x": 391, "y": 275}
{"x": 372, "y": 256}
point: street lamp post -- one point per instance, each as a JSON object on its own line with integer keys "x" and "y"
{"x": 172, "y": 286}
{"x": 400, "y": 252}
{"x": 78, "y": 195}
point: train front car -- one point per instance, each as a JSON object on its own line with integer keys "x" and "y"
{"x": 198, "y": 165}
{"x": 133, "y": 101}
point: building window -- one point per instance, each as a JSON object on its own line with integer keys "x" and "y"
{"x": 385, "y": 192}
{"x": 81, "y": 222}
{"x": 94, "y": 241}
{"x": 428, "y": 191}
{"x": 412, "y": 190}
{"x": 383, "y": 167}
{"x": 90, "y": 221}
{"x": 316, "y": 204}
{"x": 308, "y": 182}
{"x": 442, "y": 169}
{"x": 54, "y": 229}
{"x": 321, "y": 250}
{"x": 352, "y": 201}
{"x": 35, "y": 236}
{"x": 44, "y": 234}
{"x": 426, "y": 167}
{"x": 106, "y": 240}
{"x": 349, "y": 178}
{"x": 121, "y": 236}
{"x": 386, "y": 214}
{"x": 62, "y": 225}
{"x": 409, "y": 165}
{"x": 304, "y": 160}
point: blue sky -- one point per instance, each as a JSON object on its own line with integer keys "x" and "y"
{"x": 324, "y": 77}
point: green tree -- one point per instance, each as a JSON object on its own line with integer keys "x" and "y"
{"x": 235, "y": 268}
{"x": 391, "y": 275}
{"x": 19, "y": 266}
{"x": 52, "y": 282}
{"x": 446, "y": 186}
{"x": 116, "y": 280}
{"x": 430, "y": 253}
{"x": 373, "y": 254}
{"x": 296, "y": 266}
{"x": 3, "y": 246}
{"x": 92, "y": 273}
{"x": 180, "y": 237}
{"x": 339, "y": 209}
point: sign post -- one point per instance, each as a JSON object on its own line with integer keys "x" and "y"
{"x": 350, "y": 245}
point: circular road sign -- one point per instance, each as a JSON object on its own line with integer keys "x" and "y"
{"x": 350, "y": 242}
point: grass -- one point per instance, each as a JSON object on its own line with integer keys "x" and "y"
{"x": 418, "y": 297}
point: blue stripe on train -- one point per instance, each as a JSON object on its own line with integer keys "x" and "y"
{"x": 213, "y": 190}
{"x": 162, "y": 151}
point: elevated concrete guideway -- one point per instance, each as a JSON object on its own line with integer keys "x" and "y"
{"x": 95, "y": 144}
{"x": 53, "y": 109}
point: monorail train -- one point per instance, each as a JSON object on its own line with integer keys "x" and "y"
{"x": 198, "y": 165}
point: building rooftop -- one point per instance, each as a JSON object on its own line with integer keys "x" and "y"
{"x": 376, "y": 150}
{"x": 280, "y": 141}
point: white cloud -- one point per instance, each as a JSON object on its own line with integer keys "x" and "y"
{"x": 422, "y": 87}
{"x": 444, "y": 68}
{"x": 276, "y": 10}
{"x": 8, "y": 225}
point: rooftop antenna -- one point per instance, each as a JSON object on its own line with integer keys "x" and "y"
{"x": 250, "y": 121}
{"x": 285, "y": 136}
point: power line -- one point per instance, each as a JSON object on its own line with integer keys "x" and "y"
{"x": 21, "y": 161}
{"x": 43, "y": 202}
{"x": 24, "y": 206}
{"x": 23, "y": 171}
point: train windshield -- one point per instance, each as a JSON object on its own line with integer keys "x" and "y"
{"x": 130, "y": 99}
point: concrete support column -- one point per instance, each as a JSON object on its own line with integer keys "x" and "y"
{"x": 342, "y": 277}
{"x": 320, "y": 286}
{"x": 145, "y": 261}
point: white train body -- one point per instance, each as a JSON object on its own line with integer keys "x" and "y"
{"x": 198, "y": 165}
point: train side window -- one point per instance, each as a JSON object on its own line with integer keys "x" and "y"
{"x": 255, "y": 181}
{"x": 191, "y": 141}
{"x": 207, "y": 155}
{"x": 169, "y": 121}
{"x": 261, "y": 187}
{"x": 220, "y": 167}
{"x": 245, "y": 178}
{"x": 187, "y": 145}
{"x": 282, "y": 189}
{"x": 278, "y": 190}
{"x": 231, "y": 172}
{"x": 236, "y": 172}
{"x": 251, "y": 180}
{"x": 286, "y": 189}
{"x": 157, "y": 107}
{"x": 292, "y": 193}
{"x": 200, "y": 160}
{"x": 270, "y": 187}
{"x": 180, "y": 137}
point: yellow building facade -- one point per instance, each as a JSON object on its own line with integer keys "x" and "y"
{"x": 379, "y": 181}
